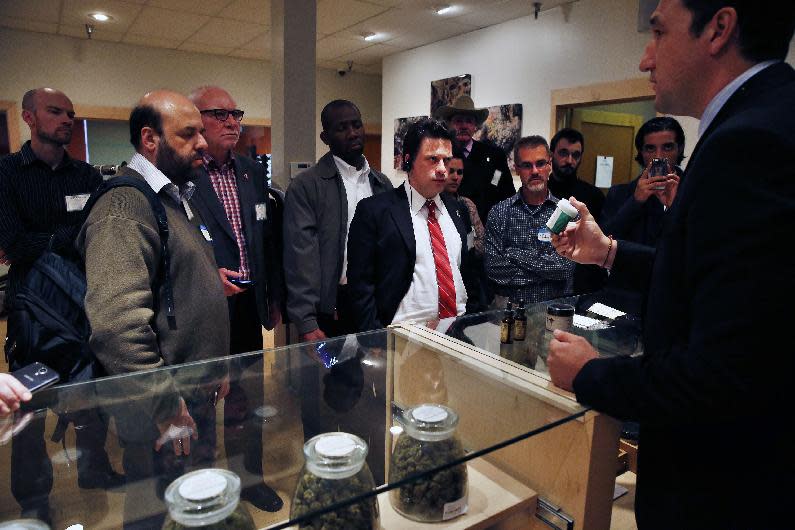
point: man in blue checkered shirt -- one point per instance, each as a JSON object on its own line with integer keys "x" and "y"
{"x": 520, "y": 261}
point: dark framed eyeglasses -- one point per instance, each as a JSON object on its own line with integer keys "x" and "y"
{"x": 456, "y": 171}
{"x": 223, "y": 114}
{"x": 538, "y": 164}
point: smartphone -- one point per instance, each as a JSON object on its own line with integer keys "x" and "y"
{"x": 36, "y": 376}
{"x": 659, "y": 168}
{"x": 241, "y": 283}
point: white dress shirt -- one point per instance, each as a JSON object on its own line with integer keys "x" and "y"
{"x": 158, "y": 181}
{"x": 357, "y": 187}
{"x": 421, "y": 302}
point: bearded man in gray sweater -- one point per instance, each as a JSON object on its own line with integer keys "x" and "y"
{"x": 160, "y": 413}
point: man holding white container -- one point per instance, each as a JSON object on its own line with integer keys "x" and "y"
{"x": 520, "y": 260}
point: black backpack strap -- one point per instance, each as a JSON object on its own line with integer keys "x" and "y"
{"x": 164, "y": 274}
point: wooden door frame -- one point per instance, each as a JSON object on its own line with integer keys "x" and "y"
{"x": 636, "y": 89}
{"x": 12, "y": 122}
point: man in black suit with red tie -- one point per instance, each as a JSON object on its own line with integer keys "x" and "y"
{"x": 712, "y": 391}
{"x": 405, "y": 246}
{"x": 232, "y": 198}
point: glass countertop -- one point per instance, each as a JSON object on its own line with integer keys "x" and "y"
{"x": 358, "y": 384}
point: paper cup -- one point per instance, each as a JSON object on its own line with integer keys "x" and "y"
{"x": 562, "y": 215}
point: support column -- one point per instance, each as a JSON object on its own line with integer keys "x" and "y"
{"x": 294, "y": 28}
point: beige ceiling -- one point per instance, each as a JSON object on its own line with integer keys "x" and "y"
{"x": 241, "y": 28}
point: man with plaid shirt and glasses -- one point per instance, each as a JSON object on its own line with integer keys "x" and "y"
{"x": 520, "y": 261}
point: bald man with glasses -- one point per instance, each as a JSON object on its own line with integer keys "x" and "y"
{"x": 232, "y": 197}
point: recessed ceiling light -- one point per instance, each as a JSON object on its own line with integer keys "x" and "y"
{"x": 441, "y": 10}
{"x": 369, "y": 36}
{"x": 100, "y": 17}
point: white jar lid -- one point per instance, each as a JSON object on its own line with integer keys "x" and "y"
{"x": 204, "y": 485}
{"x": 429, "y": 413}
{"x": 567, "y": 208}
{"x": 335, "y": 446}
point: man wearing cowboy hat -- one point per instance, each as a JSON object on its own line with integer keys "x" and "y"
{"x": 487, "y": 178}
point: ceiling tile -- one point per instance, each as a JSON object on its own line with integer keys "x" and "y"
{"x": 370, "y": 55}
{"x": 205, "y": 7}
{"x": 250, "y": 54}
{"x": 226, "y": 33}
{"x": 441, "y": 30}
{"x": 261, "y": 42}
{"x": 333, "y": 47}
{"x": 100, "y": 33}
{"x": 29, "y": 25}
{"x": 178, "y": 26}
{"x": 335, "y": 15}
{"x": 505, "y": 11}
{"x": 255, "y": 11}
{"x": 75, "y": 13}
{"x": 40, "y": 10}
{"x": 204, "y": 48}
{"x": 148, "y": 40}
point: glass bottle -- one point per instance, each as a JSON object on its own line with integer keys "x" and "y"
{"x": 335, "y": 470}
{"x": 207, "y": 498}
{"x": 506, "y": 326}
{"x": 520, "y": 323}
{"x": 429, "y": 441}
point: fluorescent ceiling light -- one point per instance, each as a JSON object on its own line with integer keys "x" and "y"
{"x": 100, "y": 17}
{"x": 369, "y": 36}
{"x": 441, "y": 10}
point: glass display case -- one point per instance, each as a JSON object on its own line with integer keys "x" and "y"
{"x": 523, "y": 449}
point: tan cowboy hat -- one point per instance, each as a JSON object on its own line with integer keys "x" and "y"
{"x": 462, "y": 105}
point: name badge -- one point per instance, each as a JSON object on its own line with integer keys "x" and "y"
{"x": 496, "y": 178}
{"x": 76, "y": 203}
{"x": 470, "y": 239}
{"x": 544, "y": 235}
{"x": 261, "y": 211}
{"x": 206, "y": 233}
{"x": 188, "y": 210}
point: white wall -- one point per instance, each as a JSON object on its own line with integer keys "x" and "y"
{"x": 115, "y": 74}
{"x": 522, "y": 61}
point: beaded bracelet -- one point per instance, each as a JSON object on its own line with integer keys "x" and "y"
{"x": 609, "y": 248}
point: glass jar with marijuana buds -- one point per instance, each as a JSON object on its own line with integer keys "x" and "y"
{"x": 335, "y": 471}
{"x": 209, "y": 499}
{"x": 429, "y": 441}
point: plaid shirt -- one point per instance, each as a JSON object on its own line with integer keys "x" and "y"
{"x": 519, "y": 265}
{"x": 225, "y": 185}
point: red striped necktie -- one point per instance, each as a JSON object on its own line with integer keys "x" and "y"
{"x": 444, "y": 274}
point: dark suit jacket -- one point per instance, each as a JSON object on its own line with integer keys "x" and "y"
{"x": 315, "y": 222}
{"x": 625, "y": 218}
{"x": 382, "y": 253}
{"x": 263, "y": 237}
{"x": 712, "y": 391}
{"x": 479, "y": 168}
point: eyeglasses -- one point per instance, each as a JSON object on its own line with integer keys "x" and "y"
{"x": 565, "y": 153}
{"x": 456, "y": 171}
{"x": 223, "y": 114}
{"x": 538, "y": 164}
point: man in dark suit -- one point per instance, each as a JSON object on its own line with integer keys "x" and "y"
{"x": 713, "y": 390}
{"x": 233, "y": 200}
{"x": 487, "y": 177}
{"x": 405, "y": 246}
{"x": 634, "y": 211}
